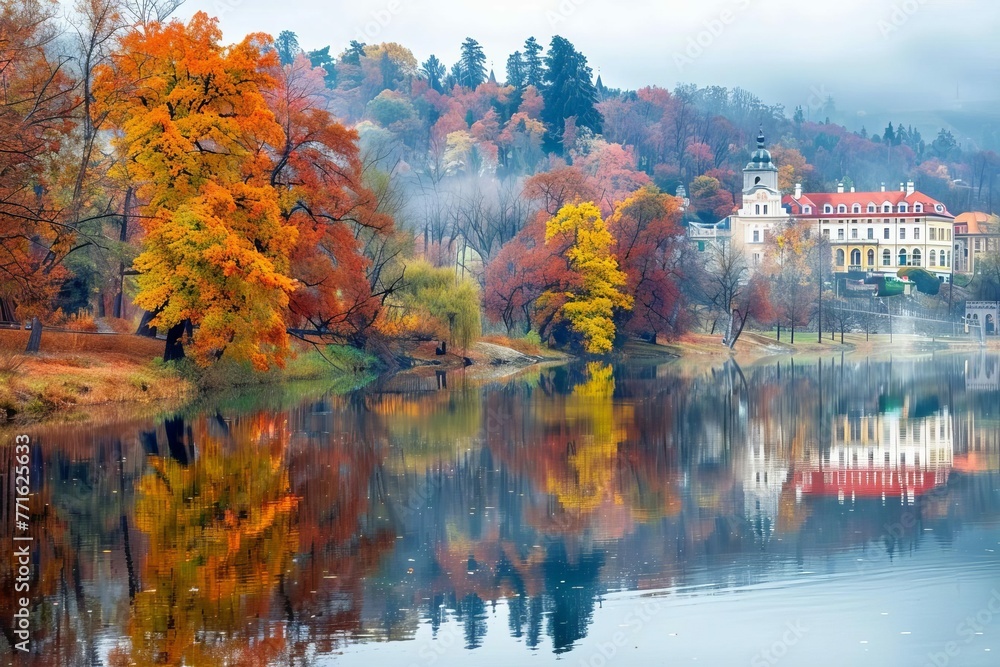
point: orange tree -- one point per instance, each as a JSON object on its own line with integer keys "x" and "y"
{"x": 194, "y": 125}
{"x": 36, "y": 104}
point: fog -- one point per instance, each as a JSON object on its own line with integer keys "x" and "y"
{"x": 876, "y": 58}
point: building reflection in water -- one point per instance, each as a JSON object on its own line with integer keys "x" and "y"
{"x": 292, "y": 525}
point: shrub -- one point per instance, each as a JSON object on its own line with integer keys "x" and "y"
{"x": 448, "y": 305}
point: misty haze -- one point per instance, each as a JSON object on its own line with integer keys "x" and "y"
{"x": 428, "y": 333}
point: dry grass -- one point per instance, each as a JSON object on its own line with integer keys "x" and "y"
{"x": 76, "y": 371}
{"x": 522, "y": 345}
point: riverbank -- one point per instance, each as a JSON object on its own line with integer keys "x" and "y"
{"x": 78, "y": 375}
{"x": 76, "y": 372}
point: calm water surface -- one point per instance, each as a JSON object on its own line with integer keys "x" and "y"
{"x": 835, "y": 512}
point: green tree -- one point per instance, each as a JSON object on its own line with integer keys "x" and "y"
{"x": 434, "y": 71}
{"x": 516, "y": 75}
{"x": 569, "y": 92}
{"x": 534, "y": 68}
{"x": 453, "y": 305}
{"x": 287, "y": 46}
{"x": 472, "y": 64}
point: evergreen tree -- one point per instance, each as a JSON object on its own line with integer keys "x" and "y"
{"x": 516, "y": 74}
{"x": 354, "y": 53}
{"x": 890, "y": 136}
{"x": 322, "y": 58}
{"x": 434, "y": 71}
{"x": 800, "y": 116}
{"x": 287, "y": 46}
{"x": 534, "y": 70}
{"x": 472, "y": 64}
{"x": 569, "y": 92}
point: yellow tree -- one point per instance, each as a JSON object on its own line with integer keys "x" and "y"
{"x": 196, "y": 128}
{"x": 591, "y": 305}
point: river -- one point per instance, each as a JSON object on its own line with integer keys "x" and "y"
{"x": 835, "y": 511}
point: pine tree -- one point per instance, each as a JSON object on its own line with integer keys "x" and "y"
{"x": 534, "y": 70}
{"x": 434, "y": 71}
{"x": 287, "y": 46}
{"x": 472, "y": 65}
{"x": 516, "y": 75}
{"x": 569, "y": 92}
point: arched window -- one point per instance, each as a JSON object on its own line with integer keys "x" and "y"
{"x": 842, "y": 208}
{"x": 855, "y": 257}
{"x": 871, "y": 258}
{"x": 856, "y": 208}
{"x": 872, "y": 208}
{"x": 918, "y": 208}
{"x": 947, "y": 261}
{"x": 886, "y": 258}
{"x": 933, "y": 258}
{"x": 828, "y": 208}
{"x": 840, "y": 257}
{"x": 887, "y": 207}
{"x": 902, "y": 257}
{"x": 916, "y": 257}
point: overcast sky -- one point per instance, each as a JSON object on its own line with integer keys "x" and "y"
{"x": 870, "y": 55}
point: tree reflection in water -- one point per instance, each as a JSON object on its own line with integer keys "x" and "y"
{"x": 274, "y": 531}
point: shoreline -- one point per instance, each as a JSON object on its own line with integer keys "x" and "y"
{"x": 80, "y": 378}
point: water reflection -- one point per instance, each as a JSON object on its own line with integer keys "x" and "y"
{"x": 281, "y": 530}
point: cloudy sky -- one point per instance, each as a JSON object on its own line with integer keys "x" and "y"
{"x": 872, "y": 56}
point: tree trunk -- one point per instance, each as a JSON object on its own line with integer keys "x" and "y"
{"x": 174, "y": 349}
{"x": 35, "y": 339}
{"x": 144, "y": 329}
{"x": 793, "y": 334}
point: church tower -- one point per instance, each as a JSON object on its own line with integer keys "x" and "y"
{"x": 761, "y": 197}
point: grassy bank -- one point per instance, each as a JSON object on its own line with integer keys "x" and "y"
{"x": 76, "y": 373}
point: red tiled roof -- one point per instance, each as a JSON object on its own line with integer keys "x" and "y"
{"x": 820, "y": 199}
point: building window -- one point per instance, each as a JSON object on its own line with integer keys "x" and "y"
{"x": 919, "y": 208}
{"x": 887, "y": 207}
{"x": 826, "y": 233}
{"x": 872, "y": 208}
{"x": 933, "y": 233}
{"x": 856, "y": 208}
{"x": 902, "y": 234}
{"x": 756, "y": 209}
{"x": 886, "y": 234}
{"x": 978, "y": 245}
{"x": 842, "y": 208}
{"x": 807, "y": 210}
{"x": 916, "y": 257}
{"x": 916, "y": 234}
{"x": 854, "y": 233}
{"x": 828, "y": 209}
{"x": 947, "y": 261}
{"x": 933, "y": 258}
{"x": 765, "y": 209}
{"x": 886, "y": 258}
{"x": 903, "y": 208}
{"x": 871, "y": 234}
{"x": 840, "y": 257}
{"x": 902, "y": 257}
{"x": 871, "y": 258}
{"x": 855, "y": 258}
{"x": 756, "y": 258}
{"x": 756, "y": 236}
{"x": 840, "y": 234}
